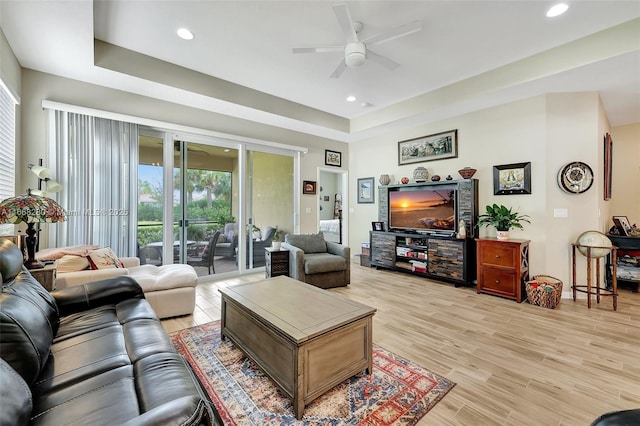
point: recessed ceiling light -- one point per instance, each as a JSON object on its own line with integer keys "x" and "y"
{"x": 351, "y": 98}
{"x": 185, "y": 34}
{"x": 557, "y": 10}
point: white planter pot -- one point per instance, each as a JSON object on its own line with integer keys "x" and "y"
{"x": 502, "y": 235}
{"x": 275, "y": 245}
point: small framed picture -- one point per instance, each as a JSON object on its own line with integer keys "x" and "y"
{"x": 332, "y": 158}
{"x": 623, "y": 225}
{"x": 366, "y": 193}
{"x": 309, "y": 187}
{"x": 377, "y": 226}
{"x": 512, "y": 179}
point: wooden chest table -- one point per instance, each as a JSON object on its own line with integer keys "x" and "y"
{"x": 306, "y": 339}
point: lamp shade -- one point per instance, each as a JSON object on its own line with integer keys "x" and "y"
{"x": 41, "y": 172}
{"x": 53, "y": 186}
{"x": 30, "y": 209}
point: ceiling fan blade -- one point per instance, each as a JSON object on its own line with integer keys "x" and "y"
{"x": 320, "y": 49}
{"x": 382, "y": 60}
{"x": 341, "y": 67}
{"x": 346, "y": 23}
{"x": 394, "y": 33}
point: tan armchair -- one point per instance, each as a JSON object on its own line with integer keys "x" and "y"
{"x": 324, "y": 264}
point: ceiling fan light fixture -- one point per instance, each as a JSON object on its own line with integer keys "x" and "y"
{"x": 355, "y": 54}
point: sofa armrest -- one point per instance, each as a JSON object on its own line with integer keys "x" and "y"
{"x": 128, "y": 262}
{"x": 296, "y": 261}
{"x": 97, "y": 293}
{"x": 339, "y": 250}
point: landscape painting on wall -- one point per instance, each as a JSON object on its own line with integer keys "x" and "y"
{"x": 427, "y": 148}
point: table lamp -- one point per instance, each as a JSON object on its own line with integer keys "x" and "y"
{"x": 30, "y": 209}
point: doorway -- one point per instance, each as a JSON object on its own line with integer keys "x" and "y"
{"x": 333, "y": 205}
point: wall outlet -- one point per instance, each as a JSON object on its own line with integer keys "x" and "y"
{"x": 307, "y": 210}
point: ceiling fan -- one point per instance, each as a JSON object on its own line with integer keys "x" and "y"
{"x": 357, "y": 51}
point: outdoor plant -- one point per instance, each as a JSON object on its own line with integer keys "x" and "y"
{"x": 502, "y": 218}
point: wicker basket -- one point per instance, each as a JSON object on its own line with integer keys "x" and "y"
{"x": 545, "y": 291}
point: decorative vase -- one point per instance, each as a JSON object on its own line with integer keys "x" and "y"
{"x": 384, "y": 180}
{"x": 404, "y": 180}
{"x": 435, "y": 178}
{"x": 449, "y": 177}
{"x": 420, "y": 174}
{"x": 276, "y": 245}
{"x": 502, "y": 235}
{"x": 467, "y": 172}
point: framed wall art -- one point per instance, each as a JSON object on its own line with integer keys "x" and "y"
{"x": 366, "y": 190}
{"x": 309, "y": 187}
{"x": 623, "y": 225}
{"x": 428, "y": 148}
{"x": 512, "y": 179}
{"x": 377, "y": 226}
{"x": 332, "y": 158}
{"x": 608, "y": 165}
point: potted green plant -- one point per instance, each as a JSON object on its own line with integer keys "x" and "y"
{"x": 278, "y": 238}
{"x": 503, "y": 219}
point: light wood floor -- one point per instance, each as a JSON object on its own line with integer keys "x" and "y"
{"x": 514, "y": 364}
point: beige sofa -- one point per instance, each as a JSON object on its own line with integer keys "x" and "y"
{"x": 170, "y": 289}
{"x": 324, "y": 264}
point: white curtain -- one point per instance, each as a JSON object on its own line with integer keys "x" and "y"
{"x": 96, "y": 162}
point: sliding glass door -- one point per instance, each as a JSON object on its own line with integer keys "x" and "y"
{"x": 211, "y": 189}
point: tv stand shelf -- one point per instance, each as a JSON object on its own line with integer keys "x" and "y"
{"x": 430, "y": 256}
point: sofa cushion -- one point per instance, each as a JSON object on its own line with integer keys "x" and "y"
{"x": 309, "y": 243}
{"x": 317, "y": 263}
{"x": 15, "y": 395}
{"x": 28, "y": 321}
{"x": 71, "y": 263}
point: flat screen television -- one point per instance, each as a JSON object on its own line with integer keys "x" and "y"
{"x": 423, "y": 208}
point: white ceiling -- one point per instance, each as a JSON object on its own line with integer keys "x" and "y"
{"x": 460, "y": 57}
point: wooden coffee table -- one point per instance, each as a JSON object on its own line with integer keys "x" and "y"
{"x": 306, "y": 339}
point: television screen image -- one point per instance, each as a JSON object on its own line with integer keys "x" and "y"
{"x": 423, "y": 209}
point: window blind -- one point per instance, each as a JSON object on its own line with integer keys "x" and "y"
{"x": 8, "y": 150}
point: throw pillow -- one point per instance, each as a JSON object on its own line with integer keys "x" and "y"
{"x": 72, "y": 263}
{"x": 104, "y": 258}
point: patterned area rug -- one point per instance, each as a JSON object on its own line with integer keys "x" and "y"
{"x": 398, "y": 393}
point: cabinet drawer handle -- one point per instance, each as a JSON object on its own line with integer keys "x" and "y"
{"x": 497, "y": 256}
{"x": 497, "y": 281}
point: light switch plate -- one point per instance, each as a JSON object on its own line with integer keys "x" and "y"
{"x": 560, "y": 213}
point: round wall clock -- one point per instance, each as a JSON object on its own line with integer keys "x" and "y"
{"x": 575, "y": 177}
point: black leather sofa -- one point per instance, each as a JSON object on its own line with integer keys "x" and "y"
{"x": 89, "y": 354}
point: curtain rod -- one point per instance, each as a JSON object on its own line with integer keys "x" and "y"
{"x": 46, "y": 104}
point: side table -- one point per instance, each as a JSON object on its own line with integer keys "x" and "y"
{"x": 45, "y": 276}
{"x": 276, "y": 262}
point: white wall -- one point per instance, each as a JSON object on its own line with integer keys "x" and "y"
{"x": 548, "y": 131}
